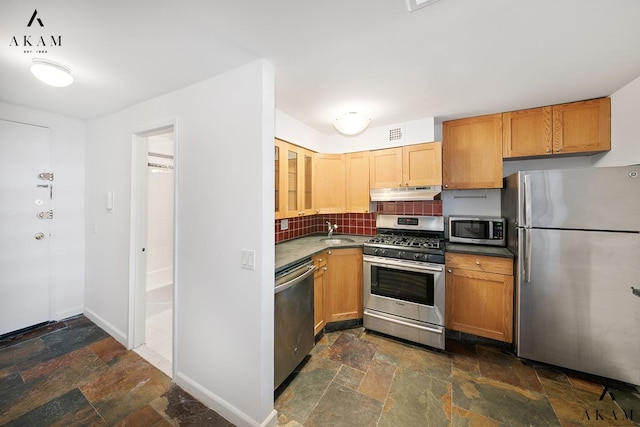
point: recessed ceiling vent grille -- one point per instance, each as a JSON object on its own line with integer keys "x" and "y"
{"x": 396, "y": 134}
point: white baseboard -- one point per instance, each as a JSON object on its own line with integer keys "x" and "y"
{"x": 222, "y": 407}
{"x": 119, "y": 336}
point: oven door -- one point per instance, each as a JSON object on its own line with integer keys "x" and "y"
{"x": 409, "y": 289}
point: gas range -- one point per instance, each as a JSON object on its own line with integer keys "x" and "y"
{"x": 403, "y": 279}
{"x": 416, "y": 238}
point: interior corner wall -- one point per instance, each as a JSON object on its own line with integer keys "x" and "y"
{"x": 375, "y": 138}
{"x": 224, "y": 130}
{"x": 294, "y": 131}
{"x": 67, "y": 243}
{"x": 625, "y": 144}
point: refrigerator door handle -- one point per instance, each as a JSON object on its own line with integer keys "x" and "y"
{"x": 527, "y": 200}
{"x": 527, "y": 255}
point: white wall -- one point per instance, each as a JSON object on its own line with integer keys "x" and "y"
{"x": 224, "y": 180}
{"x": 296, "y": 132}
{"x": 377, "y": 137}
{"x": 625, "y": 122}
{"x": 67, "y": 243}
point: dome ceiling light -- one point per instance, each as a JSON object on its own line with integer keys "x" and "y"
{"x": 51, "y": 73}
{"x": 351, "y": 123}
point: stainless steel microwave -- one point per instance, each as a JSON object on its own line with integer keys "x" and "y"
{"x": 478, "y": 230}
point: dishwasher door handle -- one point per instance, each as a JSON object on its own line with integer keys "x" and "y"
{"x": 293, "y": 282}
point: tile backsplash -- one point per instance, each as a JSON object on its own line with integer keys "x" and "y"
{"x": 363, "y": 224}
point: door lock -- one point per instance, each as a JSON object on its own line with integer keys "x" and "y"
{"x": 39, "y": 236}
{"x": 45, "y": 215}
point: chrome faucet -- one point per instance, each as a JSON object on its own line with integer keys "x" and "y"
{"x": 332, "y": 228}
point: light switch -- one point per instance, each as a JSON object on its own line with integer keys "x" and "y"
{"x": 248, "y": 259}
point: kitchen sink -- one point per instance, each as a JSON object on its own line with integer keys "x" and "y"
{"x": 336, "y": 240}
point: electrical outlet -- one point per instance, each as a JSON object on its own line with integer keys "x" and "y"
{"x": 284, "y": 224}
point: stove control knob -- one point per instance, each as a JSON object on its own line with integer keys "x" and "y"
{"x": 417, "y": 256}
{"x": 401, "y": 253}
{"x": 383, "y": 251}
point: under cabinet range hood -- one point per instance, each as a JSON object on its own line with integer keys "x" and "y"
{"x": 431, "y": 192}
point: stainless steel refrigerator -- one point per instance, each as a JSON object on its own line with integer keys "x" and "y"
{"x": 576, "y": 234}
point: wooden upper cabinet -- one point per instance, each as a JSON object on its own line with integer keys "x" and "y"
{"x": 295, "y": 180}
{"x": 408, "y": 166}
{"x": 527, "y": 132}
{"x": 472, "y": 152}
{"x": 580, "y": 127}
{"x": 329, "y": 195}
{"x": 279, "y": 191}
{"x": 385, "y": 168}
{"x": 357, "y": 181}
{"x": 573, "y": 128}
{"x": 422, "y": 164}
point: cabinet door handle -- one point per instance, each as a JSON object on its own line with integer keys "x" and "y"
{"x": 477, "y": 262}
{"x": 449, "y": 271}
{"x": 329, "y": 253}
{"x": 324, "y": 268}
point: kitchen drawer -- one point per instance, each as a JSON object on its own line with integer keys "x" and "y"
{"x": 482, "y": 263}
{"x": 320, "y": 260}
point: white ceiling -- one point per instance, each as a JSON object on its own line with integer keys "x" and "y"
{"x": 454, "y": 58}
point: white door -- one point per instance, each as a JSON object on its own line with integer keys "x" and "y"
{"x": 24, "y": 237}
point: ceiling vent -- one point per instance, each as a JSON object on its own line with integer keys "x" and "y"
{"x": 414, "y": 5}
{"x": 395, "y": 134}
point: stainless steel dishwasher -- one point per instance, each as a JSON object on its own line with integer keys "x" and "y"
{"x": 293, "y": 326}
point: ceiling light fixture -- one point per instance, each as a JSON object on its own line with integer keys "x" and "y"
{"x": 351, "y": 123}
{"x": 51, "y": 73}
{"x": 414, "y": 5}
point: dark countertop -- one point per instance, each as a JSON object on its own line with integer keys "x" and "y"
{"x": 478, "y": 250}
{"x": 292, "y": 251}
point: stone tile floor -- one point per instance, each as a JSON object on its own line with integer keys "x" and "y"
{"x": 72, "y": 373}
{"x": 358, "y": 378}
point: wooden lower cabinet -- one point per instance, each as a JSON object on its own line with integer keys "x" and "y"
{"x": 479, "y": 295}
{"x": 319, "y": 279}
{"x": 343, "y": 285}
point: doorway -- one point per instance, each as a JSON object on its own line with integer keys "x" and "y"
{"x": 154, "y": 284}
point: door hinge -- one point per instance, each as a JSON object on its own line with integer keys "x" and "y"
{"x": 46, "y": 176}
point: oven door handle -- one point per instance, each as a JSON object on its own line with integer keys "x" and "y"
{"x": 402, "y": 265}
{"x": 400, "y": 322}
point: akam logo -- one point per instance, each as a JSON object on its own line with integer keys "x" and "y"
{"x": 38, "y": 43}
